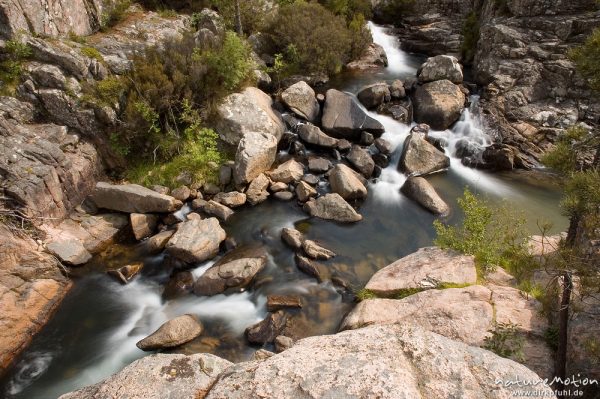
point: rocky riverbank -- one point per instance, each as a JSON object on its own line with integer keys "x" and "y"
{"x": 531, "y": 91}
{"x": 318, "y": 151}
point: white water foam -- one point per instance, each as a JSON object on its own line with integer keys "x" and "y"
{"x": 397, "y": 59}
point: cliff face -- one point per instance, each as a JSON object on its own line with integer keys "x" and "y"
{"x": 54, "y": 146}
{"x": 531, "y": 91}
{"x": 49, "y": 17}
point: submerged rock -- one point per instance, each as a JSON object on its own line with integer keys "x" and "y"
{"x": 277, "y": 302}
{"x": 236, "y": 269}
{"x": 132, "y": 198}
{"x": 266, "y": 330}
{"x": 315, "y": 251}
{"x": 126, "y": 273}
{"x": 344, "y": 118}
{"x": 392, "y": 361}
{"x": 196, "y": 240}
{"x": 173, "y": 333}
{"x": 332, "y": 207}
{"x": 420, "y": 190}
{"x": 158, "y": 377}
{"x": 178, "y": 285}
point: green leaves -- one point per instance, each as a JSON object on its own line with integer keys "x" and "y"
{"x": 587, "y": 59}
{"x": 493, "y": 235}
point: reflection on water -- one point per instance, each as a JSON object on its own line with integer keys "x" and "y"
{"x": 94, "y": 333}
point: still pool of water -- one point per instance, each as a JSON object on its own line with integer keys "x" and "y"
{"x": 95, "y": 330}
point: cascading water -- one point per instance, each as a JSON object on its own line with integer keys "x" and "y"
{"x": 398, "y": 61}
{"x": 94, "y": 332}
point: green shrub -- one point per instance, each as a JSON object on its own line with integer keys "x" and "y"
{"x": 91, "y": 52}
{"x": 252, "y": 13}
{"x": 229, "y": 66}
{"x": 198, "y": 151}
{"x": 107, "y": 92}
{"x": 506, "y": 340}
{"x": 470, "y": 33}
{"x": 11, "y": 67}
{"x": 312, "y": 38}
{"x": 114, "y": 12}
{"x": 493, "y": 235}
{"x": 360, "y": 36}
{"x": 349, "y": 9}
{"x": 587, "y": 59}
{"x": 392, "y": 11}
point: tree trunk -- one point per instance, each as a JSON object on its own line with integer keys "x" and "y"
{"x": 238, "y": 18}
{"x": 563, "y": 326}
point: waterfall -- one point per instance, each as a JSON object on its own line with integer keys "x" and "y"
{"x": 398, "y": 62}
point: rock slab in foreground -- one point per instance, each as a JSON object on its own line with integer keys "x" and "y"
{"x": 376, "y": 362}
{"x": 463, "y": 314}
{"x": 421, "y": 268}
{"x": 132, "y": 198}
{"x": 196, "y": 240}
{"x": 173, "y": 333}
{"x": 159, "y": 377}
{"x": 332, "y": 207}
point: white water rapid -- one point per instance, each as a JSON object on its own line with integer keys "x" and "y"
{"x": 467, "y": 131}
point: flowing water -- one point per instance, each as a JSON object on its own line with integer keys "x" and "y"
{"x": 95, "y": 330}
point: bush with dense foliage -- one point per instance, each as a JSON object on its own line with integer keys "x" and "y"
{"x": 493, "y": 235}
{"x": 392, "y": 11}
{"x": 587, "y": 59}
{"x": 312, "y": 39}
{"x": 11, "y": 65}
{"x": 114, "y": 12}
{"x": 165, "y": 98}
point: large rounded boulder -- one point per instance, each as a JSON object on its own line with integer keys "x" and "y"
{"x": 248, "y": 111}
{"x": 441, "y": 67}
{"x": 439, "y": 104}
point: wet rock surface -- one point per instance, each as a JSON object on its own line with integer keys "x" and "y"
{"x": 173, "y": 333}
{"x": 236, "y": 269}
{"x": 196, "y": 240}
